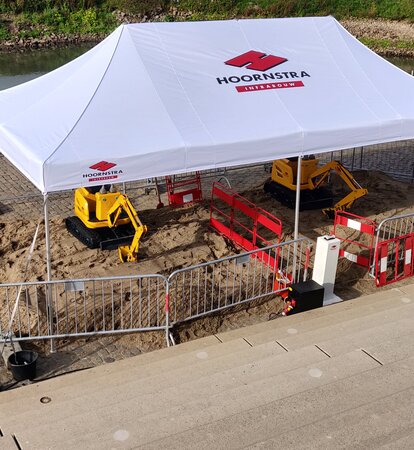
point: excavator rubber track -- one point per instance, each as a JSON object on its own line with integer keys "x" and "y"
{"x": 103, "y": 238}
{"x": 316, "y": 199}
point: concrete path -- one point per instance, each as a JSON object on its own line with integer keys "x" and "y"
{"x": 337, "y": 377}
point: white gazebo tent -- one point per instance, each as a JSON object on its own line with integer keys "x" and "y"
{"x": 161, "y": 98}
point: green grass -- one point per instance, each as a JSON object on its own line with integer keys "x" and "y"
{"x": 387, "y": 44}
{"x": 39, "y": 18}
{"x": 388, "y": 9}
{"x": 63, "y": 21}
{"x": 4, "y": 32}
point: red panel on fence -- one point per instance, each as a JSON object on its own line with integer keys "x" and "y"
{"x": 364, "y": 242}
{"x": 270, "y": 224}
{"x": 239, "y": 219}
{"x": 394, "y": 260}
{"x": 408, "y": 263}
{"x": 183, "y": 190}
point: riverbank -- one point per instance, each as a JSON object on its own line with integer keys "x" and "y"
{"x": 385, "y": 37}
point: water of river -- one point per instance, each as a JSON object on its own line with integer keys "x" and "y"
{"x": 16, "y": 68}
{"x": 19, "y": 67}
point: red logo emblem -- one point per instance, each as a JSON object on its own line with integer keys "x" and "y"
{"x": 256, "y": 61}
{"x": 102, "y": 166}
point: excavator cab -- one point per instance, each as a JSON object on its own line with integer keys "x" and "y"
{"x": 105, "y": 219}
{"x": 284, "y": 171}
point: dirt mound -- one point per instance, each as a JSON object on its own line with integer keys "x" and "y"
{"x": 179, "y": 238}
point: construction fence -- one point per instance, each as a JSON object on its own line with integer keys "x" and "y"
{"x": 385, "y": 249}
{"x": 97, "y": 306}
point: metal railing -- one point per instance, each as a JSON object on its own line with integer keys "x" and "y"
{"x": 84, "y": 307}
{"x": 213, "y": 286}
{"x": 395, "y": 226}
{"x": 382, "y": 157}
{"x": 96, "y": 306}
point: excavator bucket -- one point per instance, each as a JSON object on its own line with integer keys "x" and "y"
{"x": 329, "y": 212}
{"x": 125, "y": 254}
{"x": 128, "y": 253}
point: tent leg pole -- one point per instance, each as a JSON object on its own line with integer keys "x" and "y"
{"x": 297, "y": 207}
{"x": 49, "y": 272}
{"x": 297, "y": 203}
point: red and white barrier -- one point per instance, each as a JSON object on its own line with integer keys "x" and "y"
{"x": 364, "y": 242}
{"x": 394, "y": 260}
{"x": 184, "y": 190}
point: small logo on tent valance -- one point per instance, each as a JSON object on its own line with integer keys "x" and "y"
{"x": 254, "y": 60}
{"x": 102, "y": 166}
{"x": 103, "y": 172}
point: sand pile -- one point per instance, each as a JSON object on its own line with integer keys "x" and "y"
{"x": 181, "y": 237}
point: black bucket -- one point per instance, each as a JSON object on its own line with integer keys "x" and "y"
{"x": 23, "y": 365}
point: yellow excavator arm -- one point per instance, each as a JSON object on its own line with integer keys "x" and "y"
{"x": 127, "y": 252}
{"x": 319, "y": 176}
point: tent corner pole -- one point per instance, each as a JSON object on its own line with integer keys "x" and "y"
{"x": 297, "y": 207}
{"x": 297, "y": 202}
{"x": 48, "y": 271}
{"x": 47, "y": 236}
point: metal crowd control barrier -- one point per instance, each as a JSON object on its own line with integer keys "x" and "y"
{"x": 213, "y": 286}
{"x": 242, "y": 221}
{"x": 394, "y": 250}
{"x": 96, "y": 306}
{"x": 85, "y": 307}
{"x": 356, "y": 234}
{"x": 388, "y": 246}
{"x": 395, "y": 226}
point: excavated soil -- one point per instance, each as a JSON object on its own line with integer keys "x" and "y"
{"x": 179, "y": 238}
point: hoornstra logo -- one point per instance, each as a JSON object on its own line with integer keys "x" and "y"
{"x": 104, "y": 172}
{"x": 256, "y": 61}
{"x": 262, "y": 62}
{"x": 103, "y": 166}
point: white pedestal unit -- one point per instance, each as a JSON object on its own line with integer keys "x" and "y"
{"x": 324, "y": 270}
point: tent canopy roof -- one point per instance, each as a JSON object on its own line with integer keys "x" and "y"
{"x": 160, "y": 98}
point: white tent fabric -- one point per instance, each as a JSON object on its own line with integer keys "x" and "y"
{"x": 161, "y": 98}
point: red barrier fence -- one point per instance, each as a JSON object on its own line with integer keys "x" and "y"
{"x": 394, "y": 260}
{"x": 357, "y": 235}
{"x": 183, "y": 190}
{"x": 240, "y": 220}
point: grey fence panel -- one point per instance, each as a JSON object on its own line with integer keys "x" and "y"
{"x": 395, "y": 226}
{"x": 393, "y": 158}
{"x": 213, "y": 286}
{"x": 83, "y": 307}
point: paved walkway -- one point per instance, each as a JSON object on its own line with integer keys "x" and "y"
{"x": 336, "y": 377}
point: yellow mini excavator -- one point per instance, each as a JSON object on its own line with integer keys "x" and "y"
{"x": 105, "y": 219}
{"x": 314, "y": 192}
